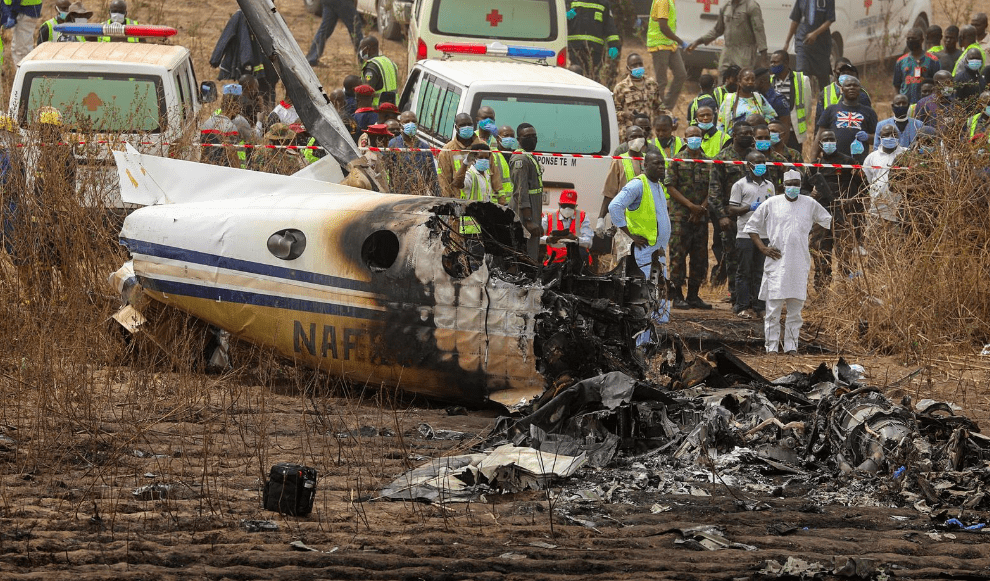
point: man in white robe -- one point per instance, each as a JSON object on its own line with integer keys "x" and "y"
{"x": 786, "y": 221}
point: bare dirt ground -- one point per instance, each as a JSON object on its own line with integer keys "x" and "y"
{"x": 70, "y": 476}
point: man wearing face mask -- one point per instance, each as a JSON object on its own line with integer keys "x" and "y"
{"x": 934, "y": 110}
{"x": 723, "y": 176}
{"x": 378, "y": 71}
{"x": 526, "y": 173}
{"x": 643, "y": 122}
{"x": 687, "y": 184}
{"x": 779, "y": 147}
{"x": 883, "y": 203}
{"x": 832, "y": 93}
{"x": 564, "y": 227}
{"x": 118, "y": 15}
{"x": 47, "y": 31}
{"x": 22, "y": 16}
{"x": 452, "y": 155}
{"x": 967, "y": 41}
{"x": 712, "y": 139}
{"x": 852, "y": 122}
{"x": 636, "y": 93}
{"x": 640, "y": 212}
{"x": 622, "y": 171}
{"x": 907, "y": 127}
{"x": 796, "y": 88}
{"x": 980, "y": 123}
{"x": 779, "y": 230}
{"x": 506, "y": 144}
{"x": 747, "y": 195}
{"x": 474, "y": 183}
{"x": 764, "y": 144}
{"x": 410, "y": 172}
{"x": 915, "y": 65}
{"x": 968, "y": 81}
{"x": 836, "y": 189}
{"x": 487, "y": 128}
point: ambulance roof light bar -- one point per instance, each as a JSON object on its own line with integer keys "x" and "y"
{"x": 495, "y": 49}
{"x": 116, "y": 29}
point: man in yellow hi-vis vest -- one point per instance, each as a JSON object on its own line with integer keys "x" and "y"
{"x": 378, "y": 71}
{"x": 22, "y": 16}
{"x": 118, "y": 15}
{"x": 640, "y": 211}
{"x": 666, "y": 49}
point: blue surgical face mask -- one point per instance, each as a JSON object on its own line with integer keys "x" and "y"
{"x": 482, "y": 165}
{"x": 986, "y": 110}
{"x": 775, "y": 138}
{"x": 693, "y": 142}
{"x": 763, "y": 145}
{"x": 706, "y": 125}
{"x": 829, "y": 147}
{"x": 974, "y": 64}
{"x": 510, "y": 143}
{"x": 488, "y": 125}
{"x": 776, "y": 69}
{"x": 465, "y": 132}
{"x": 638, "y": 72}
{"x": 409, "y": 129}
{"x": 889, "y": 142}
{"x": 792, "y": 192}
{"x": 856, "y": 147}
{"x": 842, "y": 79}
{"x": 925, "y": 149}
{"x": 759, "y": 169}
{"x": 63, "y": 15}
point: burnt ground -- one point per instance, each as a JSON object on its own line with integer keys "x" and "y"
{"x": 84, "y": 517}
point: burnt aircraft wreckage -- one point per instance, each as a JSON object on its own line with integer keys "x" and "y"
{"x": 380, "y": 289}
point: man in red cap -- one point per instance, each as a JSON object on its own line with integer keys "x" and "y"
{"x": 366, "y": 113}
{"x": 566, "y": 226}
{"x": 387, "y": 111}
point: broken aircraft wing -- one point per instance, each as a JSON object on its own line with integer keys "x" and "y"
{"x": 303, "y": 87}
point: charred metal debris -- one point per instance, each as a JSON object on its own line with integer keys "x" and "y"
{"x": 588, "y": 323}
{"x": 717, "y": 424}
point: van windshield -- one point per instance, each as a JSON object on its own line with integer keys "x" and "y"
{"x": 502, "y": 20}
{"x": 104, "y": 103}
{"x": 563, "y": 124}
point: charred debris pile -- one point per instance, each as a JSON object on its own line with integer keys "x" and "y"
{"x": 825, "y": 436}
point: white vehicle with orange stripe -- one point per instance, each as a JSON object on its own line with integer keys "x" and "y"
{"x": 571, "y": 114}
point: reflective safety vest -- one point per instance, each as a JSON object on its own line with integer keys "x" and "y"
{"x": 600, "y": 12}
{"x": 389, "y": 73}
{"x": 127, "y": 21}
{"x": 797, "y": 80}
{"x": 554, "y": 223}
{"x": 503, "y": 165}
{"x": 675, "y": 146}
{"x": 961, "y": 61}
{"x": 911, "y": 111}
{"x": 936, "y": 48}
{"x": 655, "y": 38}
{"x": 539, "y": 172}
{"x": 713, "y": 144}
{"x": 310, "y": 154}
{"x": 629, "y": 166}
{"x": 50, "y": 25}
{"x": 693, "y": 107}
{"x": 23, "y": 2}
{"x": 643, "y": 220}
{"x": 719, "y": 93}
{"x": 477, "y": 194}
{"x": 832, "y": 94}
{"x": 974, "y": 122}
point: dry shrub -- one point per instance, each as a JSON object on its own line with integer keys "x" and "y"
{"x": 923, "y": 288}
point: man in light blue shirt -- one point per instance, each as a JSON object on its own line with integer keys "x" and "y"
{"x": 649, "y": 239}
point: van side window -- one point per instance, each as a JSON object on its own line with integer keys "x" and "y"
{"x": 407, "y": 93}
{"x": 428, "y": 103}
{"x": 183, "y": 90}
{"x": 445, "y": 124}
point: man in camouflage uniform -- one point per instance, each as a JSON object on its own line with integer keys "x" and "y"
{"x": 688, "y": 183}
{"x": 719, "y": 187}
{"x": 637, "y": 93}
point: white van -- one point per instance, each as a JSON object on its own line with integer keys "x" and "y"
{"x": 143, "y": 93}
{"x": 571, "y": 114}
{"x": 864, "y": 30}
{"x": 534, "y": 23}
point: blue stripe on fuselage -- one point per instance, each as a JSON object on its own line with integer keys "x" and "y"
{"x": 196, "y": 257}
{"x": 259, "y": 299}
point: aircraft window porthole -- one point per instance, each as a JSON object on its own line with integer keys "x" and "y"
{"x": 287, "y": 244}
{"x": 380, "y": 250}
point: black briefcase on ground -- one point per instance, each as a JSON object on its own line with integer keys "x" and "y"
{"x": 291, "y": 489}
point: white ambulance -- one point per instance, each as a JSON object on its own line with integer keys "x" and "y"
{"x": 571, "y": 114}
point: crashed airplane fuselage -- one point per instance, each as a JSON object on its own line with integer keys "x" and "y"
{"x": 379, "y": 289}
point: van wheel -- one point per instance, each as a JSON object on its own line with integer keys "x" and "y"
{"x": 314, "y": 7}
{"x": 836, "y": 49}
{"x": 387, "y": 26}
